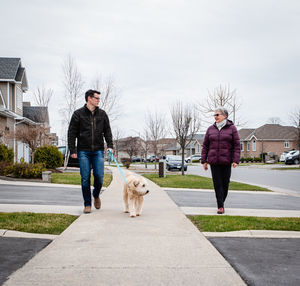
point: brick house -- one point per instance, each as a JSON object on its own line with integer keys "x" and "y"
{"x": 267, "y": 138}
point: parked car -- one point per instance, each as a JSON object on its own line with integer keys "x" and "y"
{"x": 193, "y": 158}
{"x": 71, "y": 162}
{"x": 292, "y": 157}
{"x": 136, "y": 159}
{"x": 174, "y": 162}
{"x": 283, "y": 156}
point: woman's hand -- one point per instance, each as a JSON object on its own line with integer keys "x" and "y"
{"x": 234, "y": 165}
{"x": 205, "y": 166}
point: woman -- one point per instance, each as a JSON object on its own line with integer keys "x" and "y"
{"x": 221, "y": 148}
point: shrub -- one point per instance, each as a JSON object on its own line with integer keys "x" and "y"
{"x": 3, "y": 166}
{"x": 25, "y": 170}
{"x": 249, "y": 159}
{"x": 6, "y": 154}
{"x": 49, "y": 156}
{"x": 257, "y": 159}
{"x": 126, "y": 162}
{"x": 196, "y": 161}
{"x": 242, "y": 160}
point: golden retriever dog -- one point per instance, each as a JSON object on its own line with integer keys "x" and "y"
{"x": 134, "y": 191}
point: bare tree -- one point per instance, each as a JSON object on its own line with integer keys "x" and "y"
{"x": 186, "y": 123}
{"x": 109, "y": 99}
{"x": 73, "y": 84}
{"x": 145, "y": 146}
{"x": 33, "y": 136}
{"x": 132, "y": 147}
{"x": 155, "y": 123}
{"x": 274, "y": 120}
{"x": 295, "y": 121}
{"x": 42, "y": 96}
{"x": 221, "y": 96}
{"x": 117, "y": 134}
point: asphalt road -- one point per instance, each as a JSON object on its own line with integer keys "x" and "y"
{"x": 17, "y": 194}
{"x": 262, "y": 261}
{"x": 289, "y": 180}
{"x": 253, "y": 200}
{"x": 15, "y": 252}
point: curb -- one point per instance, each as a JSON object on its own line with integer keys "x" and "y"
{"x": 13, "y": 233}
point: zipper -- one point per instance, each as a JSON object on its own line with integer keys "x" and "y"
{"x": 92, "y": 122}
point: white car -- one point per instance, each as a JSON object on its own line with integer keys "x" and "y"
{"x": 193, "y": 158}
{"x": 283, "y": 156}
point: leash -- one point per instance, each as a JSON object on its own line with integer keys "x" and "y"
{"x": 111, "y": 157}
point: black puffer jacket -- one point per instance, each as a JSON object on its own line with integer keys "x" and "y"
{"x": 89, "y": 129}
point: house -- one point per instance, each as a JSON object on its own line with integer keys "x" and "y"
{"x": 13, "y": 85}
{"x": 40, "y": 115}
{"x": 195, "y": 146}
{"x": 267, "y": 138}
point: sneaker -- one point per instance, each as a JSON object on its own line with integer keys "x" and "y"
{"x": 87, "y": 209}
{"x": 220, "y": 211}
{"x": 97, "y": 203}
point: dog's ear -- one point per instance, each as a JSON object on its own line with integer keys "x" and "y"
{"x": 136, "y": 183}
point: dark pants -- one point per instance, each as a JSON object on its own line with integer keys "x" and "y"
{"x": 221, "y": 178}
{"x": 86, "y": 161}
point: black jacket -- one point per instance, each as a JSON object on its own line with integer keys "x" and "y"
{"x": 89, "y": 129}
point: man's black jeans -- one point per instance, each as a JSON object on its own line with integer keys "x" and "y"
{"x": 221, "y": 178}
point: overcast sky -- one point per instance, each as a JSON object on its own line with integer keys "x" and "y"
{"x": 161, "y": 51}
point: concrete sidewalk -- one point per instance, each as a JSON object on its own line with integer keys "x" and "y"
{"x": 106, "y": 247}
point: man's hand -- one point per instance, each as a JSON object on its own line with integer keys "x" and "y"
{"x": 205, "y": 167}
{"x": 234, "y": 165}
{"x": 74, "y": 156}
{"x": 111, "y": 150}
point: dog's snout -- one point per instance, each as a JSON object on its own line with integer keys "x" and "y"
{"x": 147, "y": 192}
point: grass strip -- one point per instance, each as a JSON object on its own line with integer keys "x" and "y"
{"x": 233, "y": 223}
{"x": 75, "y": 179}
{"x": 197, "y": 182}
{"x": 36, "y": 222}
{"x": 287, "y": 168}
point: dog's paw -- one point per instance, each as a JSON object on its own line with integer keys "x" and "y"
{"x": 132, "y": 215}
{"x": 138, "y": 214}
{"x": 126, "y": 212}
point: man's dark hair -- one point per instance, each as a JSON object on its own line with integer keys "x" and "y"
{"x": 90, "y": 93}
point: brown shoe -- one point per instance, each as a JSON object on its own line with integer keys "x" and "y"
{"x": 87, "y": 209}
{"x": 97, "y": 203}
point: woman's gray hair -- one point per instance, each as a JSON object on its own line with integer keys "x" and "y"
{"x": 223, "y": 110}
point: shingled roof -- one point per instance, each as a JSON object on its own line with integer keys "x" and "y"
{"x": 11, "y": 70}
{"x": 270, "y": 132}
{"x": 37, "y": 114}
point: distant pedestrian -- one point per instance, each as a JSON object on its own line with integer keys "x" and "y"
{"x": 221, "y": 149}
{"x": 88, "y": 125}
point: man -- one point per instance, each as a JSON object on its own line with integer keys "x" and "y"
{"x": 88, "y": 125}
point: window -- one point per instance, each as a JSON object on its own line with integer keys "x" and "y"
{"x": 248, "y": 146}
{"x": 242, "y": 146}
{"x": 253, "y": 145}
{"x": 286, "y": 144}
{"x": 19, "y": 96}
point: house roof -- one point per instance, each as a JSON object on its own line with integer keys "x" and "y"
{"x": 271, "y": 132}
{"x": 245, "y": 132}
{"x": 11, "y": 70}
{"x": 37, "y": 114}
{"x": 197, "y": 137}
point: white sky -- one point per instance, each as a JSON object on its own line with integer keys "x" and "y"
{"x": 161, "y": 51}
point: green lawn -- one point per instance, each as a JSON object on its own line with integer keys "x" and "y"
{"x": 36, "y": 222}
{"x": 287, "y": 168}
{"x": 74, "y": 179}
{"x": 233, "y": 223}
{"x": 196, "y": 182}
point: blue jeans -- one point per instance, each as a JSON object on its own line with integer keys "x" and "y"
{"x": 88, "y": 160}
